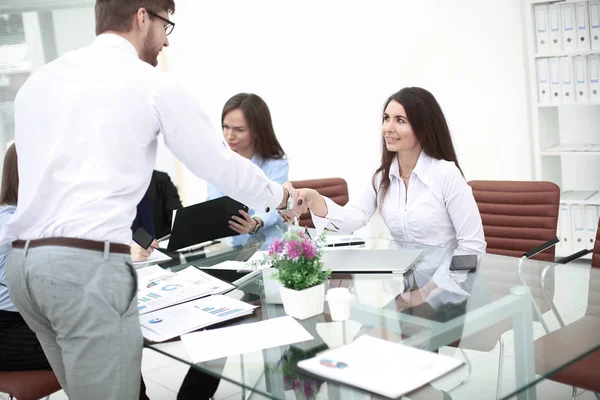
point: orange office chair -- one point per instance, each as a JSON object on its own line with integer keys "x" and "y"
{"x": 29, "y": 385}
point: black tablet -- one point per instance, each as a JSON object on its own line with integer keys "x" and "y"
{"x": 204, "y": 222}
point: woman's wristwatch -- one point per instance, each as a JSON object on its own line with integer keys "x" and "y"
{"x": 258, "y": 225}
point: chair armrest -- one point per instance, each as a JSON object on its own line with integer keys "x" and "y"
{"x": 573, "y": 257}
{"x": 541, "y": 248}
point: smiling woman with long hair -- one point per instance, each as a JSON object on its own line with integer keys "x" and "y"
{"x": 419, "y": 187}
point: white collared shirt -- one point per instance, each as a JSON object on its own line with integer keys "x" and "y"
{"x": 437, "y": 210}
{"x": 86, "y": 129}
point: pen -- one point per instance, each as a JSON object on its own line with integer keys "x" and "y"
{"x": 345, "y": 244}
{"x": 200, "y": 246}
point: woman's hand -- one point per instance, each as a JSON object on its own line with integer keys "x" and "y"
{"x": 139, "y": 254}
{"x": 246, "y": 224}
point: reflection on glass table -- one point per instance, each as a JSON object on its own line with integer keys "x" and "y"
{"x": 428, "y": 307}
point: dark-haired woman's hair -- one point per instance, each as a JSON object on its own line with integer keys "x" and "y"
{"x": 429, "y": 126}
{"x": 258, "y": 118}
{"x": 9, "y": 192}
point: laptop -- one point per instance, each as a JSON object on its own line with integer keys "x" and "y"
{"x": 203, "y": 222}
{"x": 354, "y": 261}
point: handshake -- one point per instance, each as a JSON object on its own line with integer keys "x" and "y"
{"x": 295, "y": 202}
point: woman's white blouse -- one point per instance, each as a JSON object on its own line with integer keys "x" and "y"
{"x": 438, "y": 210}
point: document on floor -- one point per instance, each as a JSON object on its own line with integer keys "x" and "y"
{"x": 171, "y": 322}
{"x": 243, "y": 339}
{"x": 173, "y": 288}
{"x": 374, "y": 365}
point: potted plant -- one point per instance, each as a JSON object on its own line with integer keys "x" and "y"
{"x": 296, "y": 260}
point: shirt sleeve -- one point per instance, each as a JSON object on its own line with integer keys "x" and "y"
{"x": 350, "y": 217}
{"x": 189, "y": 134}
{"x": 277, "y": 172}
{"x": 463, "y": 212}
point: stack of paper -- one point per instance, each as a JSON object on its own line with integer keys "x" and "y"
{"x": 379, "y": 366}
{"x": 243, "y": 339}
{"x": 167, "y": 289}
{"x": 174, "y": 321}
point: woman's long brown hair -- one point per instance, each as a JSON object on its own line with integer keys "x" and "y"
{"x": 258, "y": 118}
{"x": 9, "y": 191}
{"x": 430, "y": 127}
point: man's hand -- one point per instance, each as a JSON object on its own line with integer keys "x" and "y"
{"x": 247, "y": 224}
{"x": 139, "y": 254}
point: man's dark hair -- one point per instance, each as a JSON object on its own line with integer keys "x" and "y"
{"x": 117, "y": 15}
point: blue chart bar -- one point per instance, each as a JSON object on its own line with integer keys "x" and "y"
{"x": 229, "y": 312}
{"x": 208, "y": 309}
{"x": 154, "y": 295}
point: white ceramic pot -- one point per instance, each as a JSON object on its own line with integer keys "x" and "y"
{"x": 302, "y": 304}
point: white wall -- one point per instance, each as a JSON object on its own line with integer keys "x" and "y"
{"x": 326, "y": 67}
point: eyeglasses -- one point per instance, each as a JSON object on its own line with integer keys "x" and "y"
{"x": 170, "y": 25}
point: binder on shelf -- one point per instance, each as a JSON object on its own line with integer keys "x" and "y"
{"x": 583, "y": 30}
{"x": 569, "y": 33}
{"x": 594, "y": 76}
{"x": 555, "y": 91}
{"x": 564, "y": 233}
{"x": 567, "y": 86}
{"x": 556, "y": 45}
{"x": 595, "y": 24}
{"x": 543, "y": 81}
{"x": 591, "y": 224}
{"x": 541, "y": 28}
{"x": 578, "y": 227}
{"x": 581, "y": 79}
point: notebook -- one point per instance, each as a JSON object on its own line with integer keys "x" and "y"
{"x": 371, "y": 261}
{"x": 380, "y": 366}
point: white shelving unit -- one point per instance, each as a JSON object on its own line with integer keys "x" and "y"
{"x": 566, "y": 137}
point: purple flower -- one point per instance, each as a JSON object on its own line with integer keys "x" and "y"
{"x": 293, "y": 249}
{"x": 309, "y": 249}
{"x": 276, "y": 247}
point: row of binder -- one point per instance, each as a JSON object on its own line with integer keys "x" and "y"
{"x": 567, "y": 80}
{"x": 567, "y": 27}
{"x": 577, "y": 223}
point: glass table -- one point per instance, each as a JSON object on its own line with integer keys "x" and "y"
{"x": 428, "y": 307}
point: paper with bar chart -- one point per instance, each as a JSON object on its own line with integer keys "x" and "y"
{"x": 174, "y": 321}
{"x": 169, "y": 289}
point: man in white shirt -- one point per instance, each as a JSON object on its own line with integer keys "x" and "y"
{"x": 86, "y": 128}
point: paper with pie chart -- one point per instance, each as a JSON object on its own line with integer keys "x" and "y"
{"x": 174, "y": 321}
{"x": 168, "y": 290}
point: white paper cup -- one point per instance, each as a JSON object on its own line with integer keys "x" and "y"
{"x": 339, "y": 303}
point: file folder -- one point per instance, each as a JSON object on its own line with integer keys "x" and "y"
{"x": 595, "y": 24}
{"x": 555, "y": 90}
{"x": 567, "y": 86}
{"x": 556, "y": 45}
{"x": 578, "y": 225}
{"x": 591, "y": 225}
{"x": 594, "y": 75}
{"x": 583, "y": 29}
{"x": 543, "y": 81}
{"x": 565, "y": 246}
{"x": 569, "y": 33}
{"x": 581, "y": 79}
{"x": 541, "y": 28}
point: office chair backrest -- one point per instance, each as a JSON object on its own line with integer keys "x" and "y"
{"x": 518, "y": 216}
{"x": 334, "y": 188}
